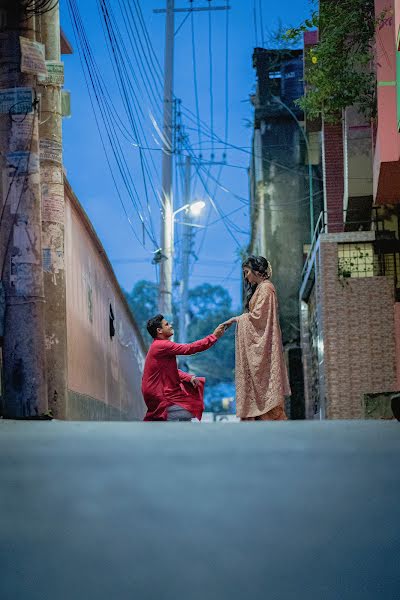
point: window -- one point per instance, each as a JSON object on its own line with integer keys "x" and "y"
{"x": 112, "y": 325}
{"x": 274, "y": 75}
{"x": 355, "y": 260}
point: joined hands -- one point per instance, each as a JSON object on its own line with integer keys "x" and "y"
{"x": 220, "y": 330}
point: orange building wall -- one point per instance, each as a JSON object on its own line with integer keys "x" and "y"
{"x": 387, "y": 150}
{"x": 104, "y": 373}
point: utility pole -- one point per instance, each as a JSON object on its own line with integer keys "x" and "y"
{"x": 167, "y": 225}
{"x": 24, "y": 365}
{"x": 187, "y": 238}
{"x": 186, "y": 250}
{"x": 52, "y": 188}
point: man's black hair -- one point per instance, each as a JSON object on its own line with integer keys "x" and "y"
{"x": 153, "y": 324}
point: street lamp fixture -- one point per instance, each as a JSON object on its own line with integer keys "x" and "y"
{"x": 194, "y": 208}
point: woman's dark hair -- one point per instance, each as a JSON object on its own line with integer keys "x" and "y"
{"x": 259, "y": 265}
{"x": 153, "y": 324}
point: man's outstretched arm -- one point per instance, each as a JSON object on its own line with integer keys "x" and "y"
{"x": 174, "y": 349}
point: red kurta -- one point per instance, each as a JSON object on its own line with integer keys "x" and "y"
{"x": 163, "y": 384}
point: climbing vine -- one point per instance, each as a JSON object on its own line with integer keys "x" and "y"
{"x": 340, "y": 68}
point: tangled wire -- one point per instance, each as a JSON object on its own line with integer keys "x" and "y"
{"x": 39, "y": 7}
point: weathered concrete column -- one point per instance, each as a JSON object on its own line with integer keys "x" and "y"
{"x": 52, "y": 187}
{"x": 25, "y": 388}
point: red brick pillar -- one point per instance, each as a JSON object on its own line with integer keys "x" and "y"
{"x": 333, "y": 165}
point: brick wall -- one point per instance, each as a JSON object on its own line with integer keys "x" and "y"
{"x": 397, "y": 339}
{"x": 358, "y": 337}
{"x": 333, "y": 167}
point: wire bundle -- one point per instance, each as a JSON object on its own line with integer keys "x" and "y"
{"x": 38, "y": 7}
{"x": 110, "y": 124}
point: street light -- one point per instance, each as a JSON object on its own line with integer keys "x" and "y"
{"x": 310, "y": 174}
{"x": 194, "y": 208}
{"x": 197, "y": 207}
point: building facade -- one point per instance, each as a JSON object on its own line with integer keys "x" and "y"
{"x": 350, "y": 291}
{"x": 105, "y": 348}
{"x": 83, "y": 356}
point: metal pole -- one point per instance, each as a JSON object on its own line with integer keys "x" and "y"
{"x": 25, "y": 386}
{"x": 187, "y": 239}
{"x": 310, "y": 173}
{"x": 52, "y": 187}
{"x": 167, "y": 225}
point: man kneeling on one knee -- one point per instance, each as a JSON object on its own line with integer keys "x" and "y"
{"x": 169, "y": 393}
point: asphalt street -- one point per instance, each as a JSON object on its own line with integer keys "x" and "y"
{"x": 170, "y": 511}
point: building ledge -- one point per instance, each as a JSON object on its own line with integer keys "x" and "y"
{"x": 348, "y": 237}
{"x": 345, "y": 237}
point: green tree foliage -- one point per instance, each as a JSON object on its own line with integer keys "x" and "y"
{"x": 208, "y": 306}
{"x": 206, "y": 300}
{"x": 142, "y": 301}
{"x": 340, "y": 69}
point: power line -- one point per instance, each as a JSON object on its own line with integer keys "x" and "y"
{"x": 226, "y": 129}
{"x": 243, "y": 149}
{"x": 215, "y": 207}
{"x": 152, "y": 54}
{"x": 139, "y": 52}
{"x": 93, "y": 83}
{"x": 261, "y": 21}
{"x": 119, "y": 55}
{"x": 226, "y": 76}
{"x": 229, "y": 275}
{"x": 211, "y": 91}
{"x": 38, "y": 7}
{"x": 196, "y": 93}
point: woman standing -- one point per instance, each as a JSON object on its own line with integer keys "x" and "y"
{"x": 261, "y": 376}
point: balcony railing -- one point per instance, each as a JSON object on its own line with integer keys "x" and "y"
{"x": 375, "y": 222}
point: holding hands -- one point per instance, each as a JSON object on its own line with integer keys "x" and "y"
{"x": 220, "y": 330}
{"x": 230, "y": 322}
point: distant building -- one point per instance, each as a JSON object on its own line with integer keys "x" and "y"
{"x": 279, "y": 192}
{"x": 350, "y": 291}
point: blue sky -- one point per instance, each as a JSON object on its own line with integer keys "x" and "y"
{"x": 216, "y": 246}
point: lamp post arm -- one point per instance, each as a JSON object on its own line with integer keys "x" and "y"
{"x": 185, "y": 207}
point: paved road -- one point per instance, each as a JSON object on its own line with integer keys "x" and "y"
{"x": 115, "y": 511}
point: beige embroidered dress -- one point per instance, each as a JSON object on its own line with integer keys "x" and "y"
{"x": 261, "y": 375}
